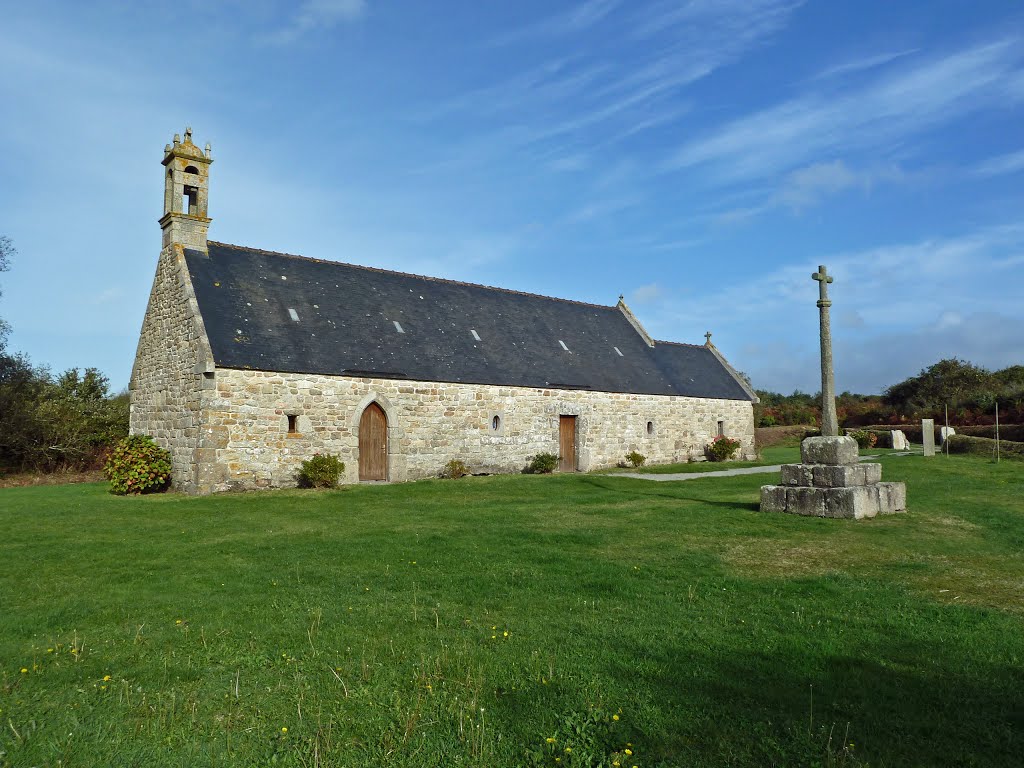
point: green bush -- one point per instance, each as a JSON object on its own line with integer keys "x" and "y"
{"x": 864, "y": 438}
{"x": 635, "y": 458}
{"x": 722, "y": 448}
{"x": 454, "y": 469}
{"x": 541, "y": 464}
{"x": 321, "y": 471}
{"x": 138, "y": 465}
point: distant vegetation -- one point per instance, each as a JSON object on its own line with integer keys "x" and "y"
{"x": 969, "y": 391}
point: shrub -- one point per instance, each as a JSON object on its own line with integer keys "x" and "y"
{"x": 983, "y": 446}
{"x": 722, "y": 448}
{"x": 541, "y": 464}
{"x": 454, "y": 469}
{"x": 864, "y": 438}
{"x": 138, "y": 465}
{"x": 321, "y": 471}
{"x": 635, "y": 458}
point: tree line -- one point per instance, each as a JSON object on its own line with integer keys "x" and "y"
{"x": 53, "y": 422}
{"x": 969, "y": 392}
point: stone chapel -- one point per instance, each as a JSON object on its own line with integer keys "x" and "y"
{"x": 250, "y": 362}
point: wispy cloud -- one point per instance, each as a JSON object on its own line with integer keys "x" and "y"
{"x": 645, "y": 294}
{"x": 1003, "y": 164}
{"x": 862, "y": 64}
{"x": 811, "y": 184}
{"x": 577, "y": 19}
{"x": 801, "y": 130}
{"x": 313, "y": 15}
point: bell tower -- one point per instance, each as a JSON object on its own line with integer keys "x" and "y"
{"x": 186, "y": 193}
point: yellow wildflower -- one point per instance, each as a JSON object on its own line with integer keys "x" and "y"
{"x": 106, "y": 678}
{"x": 506, "y": 633}
{"x": 568, "y": 749}
{"x": 24, "y": 670}
{"x": 284, "y": 729}
{"x": 550, "y": 739}
{"x": 629, "y": 751}
{"x": 615, "y": 718}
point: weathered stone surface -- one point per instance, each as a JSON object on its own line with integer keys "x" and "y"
{"x": 805, "y": 501}
{"x": 837, "y": 475}
{"x": 829, "y": 450}
{"x": 856, "y": 502}
{"x": 872, "y": 473}
{"x": 892, "y": 498}
{"x": 797, "y": 474}
{"x": 773, "y": 498}
{"x": 899, "y": 440}
{"x": 928, "y": 436}
{"x": 945, "y": 433}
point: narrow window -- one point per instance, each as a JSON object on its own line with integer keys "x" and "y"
{"x": 562, "y": 343}
{"x": 293, "y": 424}
{"x": 190, "y": 201}
{"x": 495, "y": 423}
{"x": 293, "y": 314}
{"x": 650, "y": 427}
{"x": 617, "y": 351}
{"x": 721, "y": 428}
{"x": 191, "y": 169}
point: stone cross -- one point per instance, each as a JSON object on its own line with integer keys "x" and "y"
{"x": 829, "y": 420}
{"x": 707, "y": 338}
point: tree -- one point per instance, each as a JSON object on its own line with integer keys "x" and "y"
{"x": 952, "y": 382}
{"x": 6, "y": 254}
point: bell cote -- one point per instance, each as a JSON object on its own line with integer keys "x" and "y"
{"x": 186, "y": 193}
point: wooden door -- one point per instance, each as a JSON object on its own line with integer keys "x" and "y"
{"x": 567, "y": 443}
{"x": 373, "y": 444}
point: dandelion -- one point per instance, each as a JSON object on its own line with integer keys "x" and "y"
{"x": 106, "y": 678}
{"x": 49, "y": 650}
{"x": 615, "y": 718}
{"x": 494, "y": 637}
{"x": 628, "y": 751}
{"x": 24, "y": 670}
{"x": 568, "y": 750}
{"x": 284, "y": 729}
{"x": 103, "y": 687}
{"x": 506, "y": 633}
{"x": 550, "y": 739}
{"x": 178, "y": 621}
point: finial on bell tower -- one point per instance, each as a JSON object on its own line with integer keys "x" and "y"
{"x": 186, "y": 193}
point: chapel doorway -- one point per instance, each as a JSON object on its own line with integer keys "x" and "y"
{"x": 567, "y": 443}
{"x": 373, "y": 444}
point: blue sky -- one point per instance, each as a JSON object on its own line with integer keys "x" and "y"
{"x": 701, "y": 158}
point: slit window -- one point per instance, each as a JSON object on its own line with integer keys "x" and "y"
{"x": 293, "y": 424}
{"x": 721, "y": 428}
{"x": 650, "y": 427}
{"x": 496, "y": 423}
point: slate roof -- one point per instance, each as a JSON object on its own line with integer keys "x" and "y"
{"x": 274, "y": 312}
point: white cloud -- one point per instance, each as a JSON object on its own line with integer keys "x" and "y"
{"x": 319, "y": 14}
{"x": 1003, "y": 164}
{"x": 862, "y": 64}
{"x": 645, "y": 294}
{"x": 918, "y": 99}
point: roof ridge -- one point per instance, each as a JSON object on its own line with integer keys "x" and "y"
{"x": 680, "y": 344}
{"x": 411, "y": 274}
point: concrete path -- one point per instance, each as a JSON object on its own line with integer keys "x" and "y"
{"x": 722, "y": 472}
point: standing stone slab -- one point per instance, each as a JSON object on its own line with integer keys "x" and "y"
{"x": 899, "y": 440}
{"x": 828, "y": 450}
{"x": 928, "y": 436}
{"x": 945, "y": 433}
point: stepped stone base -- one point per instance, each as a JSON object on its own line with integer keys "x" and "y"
{"x": 830, "y": 483}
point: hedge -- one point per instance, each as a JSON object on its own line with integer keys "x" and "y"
{"x": 983, "y": 446}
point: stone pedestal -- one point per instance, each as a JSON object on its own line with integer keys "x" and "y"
{"x": 830, "y": 483}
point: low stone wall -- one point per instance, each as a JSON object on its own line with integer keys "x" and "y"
{"x": 246, "y": 440}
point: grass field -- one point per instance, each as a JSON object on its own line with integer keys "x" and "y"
{"x": 468, "y": 622}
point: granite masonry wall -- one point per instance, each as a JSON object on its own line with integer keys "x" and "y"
{"x": 172, "y": 365}
{"x": 245, "y": 426}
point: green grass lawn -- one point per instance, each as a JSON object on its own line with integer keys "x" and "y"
{"x": 466, "y": 622}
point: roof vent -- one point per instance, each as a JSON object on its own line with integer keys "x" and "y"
{"x": 398, "y": 326}
{"x": 562, "y": 343}
{"x": 618, "y": 351}
{"x": 475, "y": 334}
{"x": 293, "y": 314}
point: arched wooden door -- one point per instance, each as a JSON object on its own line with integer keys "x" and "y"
{"x": 373, "y": 444}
